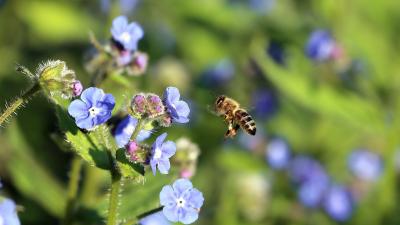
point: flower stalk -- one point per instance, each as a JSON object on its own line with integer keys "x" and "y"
{"x": 73, "y": 185}
{"x": 18, "y": 103}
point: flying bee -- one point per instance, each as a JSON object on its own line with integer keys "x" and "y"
{"x": 235, "y": 116}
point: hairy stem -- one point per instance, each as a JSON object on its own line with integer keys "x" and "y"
{"x": 138, "y": 128}
{"x": 143, "y": 215}
{"x": 18, "y": 103}
{"x": 116, "y": 182}
{"x": 73, "y": 184}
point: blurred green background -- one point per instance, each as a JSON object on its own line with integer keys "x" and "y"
{"x": 324, "y": 110}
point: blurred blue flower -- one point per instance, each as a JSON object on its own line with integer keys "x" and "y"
{"x": 127, "y": 35}
{"x": 320, "y": 46}
{"x": 8, "y": 212}
{"x": 155, "y": 219}
{"x": 178, "y": 109}
{"x": 124, "y": 131}
{"x": 303, "y": 168}
{"x": 127, "y": 6}
{"x": 160, "y": 153}
{"x": 311, "y": 192}
{"x": 278, "y": 153}
{"x": 365, "y": 165}
{"x": 265, "y": 103}
{"x": 92, "y": 109}
{"x": 262, "y": 6}
{"x": 181, "y": 201}
{"x": 219, "y": 74}
{"x": 275, "y": 51}
{"x": 338, "y": 203}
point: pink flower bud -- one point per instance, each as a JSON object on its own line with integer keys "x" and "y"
{"x": 77, "y": 88}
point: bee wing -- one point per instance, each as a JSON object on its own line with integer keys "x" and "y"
{"x": 211, "y": 109}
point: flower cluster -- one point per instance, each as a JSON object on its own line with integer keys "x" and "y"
{"x": 55, "y": 78}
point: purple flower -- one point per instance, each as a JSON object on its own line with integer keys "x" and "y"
{"x": 320, "y": 45}
{"x": 127, "y": 35}
{"x": 178, "y": 109}
{"x": 160, "y": 153}
{"x": 77, "y": 88}
{"x": 278, "y": 153}
{"x": 124, "y": 58}
{"x": 181, "y": 201}
{"x": 338, "y": 203}
{"x": 124, "y": 131}
{"x": 365, "y": 165}
{"x": 92, "y": 109}
{"x": 8, "y": 212}
{"x": 155, "y": 219}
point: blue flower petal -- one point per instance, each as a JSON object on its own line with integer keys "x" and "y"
{"x": 78, "y": 108}
{"x": 196, "y": 198}
{"x": 92, "y": 95}
{"x": 118, "y": 25}
{"x": 168, "y": 149}
{"x": 172, "y": 94}
{"x": 153, "y": 165}
{"x": 160, "y": 139}
{"x": 188, "y": 216}
{"x": 85, "y": 123}
{"x": 171, "y": 213}
{"x": 124, "y": 131}
{"x": 8, "y": 212}
{"x": 163, "y": 166}
{"x": 181, "y": 185}
{"x": 167, "y": 197}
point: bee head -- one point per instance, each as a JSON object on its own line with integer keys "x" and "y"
{"x": 220, "y": 99}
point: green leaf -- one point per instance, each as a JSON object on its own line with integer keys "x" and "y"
{"x": 90, "y": 147}
{"x": 129, "y": 169}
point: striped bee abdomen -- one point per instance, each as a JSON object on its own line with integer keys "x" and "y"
{"x": 245, "y": 121}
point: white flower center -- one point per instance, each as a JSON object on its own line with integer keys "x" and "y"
{"x": 1, "y": 220}
{"x": 94, "y": 111}
{"x": 126, "y": 37}
{"x": 157, "y": 153}
{"x": 129, "y": 129}
{"x": 180, "y": 202}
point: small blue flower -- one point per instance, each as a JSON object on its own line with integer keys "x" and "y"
{"x": 181, "y": 201}
{"x": 311, "y": 192}
{"x": 92, "y": 109}
{"x": 219, "y": 74}
{"x": 338, "y": 203}
{"x": 303, "y": 168}
{"x": 265, "y": 103}
{"x": 320, "y": 45}
{"x": 155, "y": 219}
{"x": 278, "y": 154}
{"x": 365, "y": 165}
{"x": 8, "y": 212}
{"x": 124, "y": 131}
{"x": 160, "y": 153}
{"x": 178, "y": 109}
{"x": 127, "y": 35}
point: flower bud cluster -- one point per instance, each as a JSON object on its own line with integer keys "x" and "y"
{"x": 56, "y": 78}
{"x": 147, "y": 106}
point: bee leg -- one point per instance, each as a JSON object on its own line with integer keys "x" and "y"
{"x": 232, "y": 130}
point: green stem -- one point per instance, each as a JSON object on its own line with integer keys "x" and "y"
{"x": 73, "y": 184}
{"x": 143, "y": 215}
{"x": 138, "y": 128}
{"x": 116, "y": 182}
{"x": 18, "y": 103}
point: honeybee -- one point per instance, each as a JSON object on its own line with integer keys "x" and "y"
{"x": 235, "y": 116}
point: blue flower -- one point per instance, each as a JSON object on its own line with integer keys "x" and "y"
{"x": 92, "y": 109}
{"x": 311, "y": 192}
{"x": 219, "y": 74}
{"x": 278, "y": 153}
{"x": 181, "y": 201}
{"x": 124, "y": 131}
{"x": 160, "y": 153}
{"x": 155, "y": 219}
{"x": 8, "y": 212}
{"x": 303, "y": 168}
{"x": 365, "y": 165}
{"x": 265, "y": 103}
{"x": 338, "y": 203}
{"x": 178, "y": 109}
{"x": 127, "y": 35}
{"x": 276, "y": 52}
{"x": 320, "y": 45}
